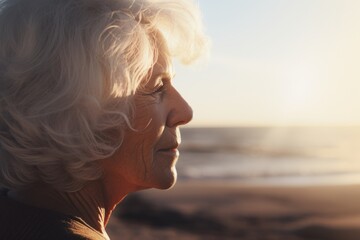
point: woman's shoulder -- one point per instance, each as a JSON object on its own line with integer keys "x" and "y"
{"x": 20, "y": 221}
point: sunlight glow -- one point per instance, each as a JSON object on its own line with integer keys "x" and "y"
{"x": 278, "y": 63}
{"x": 301, "y": 89}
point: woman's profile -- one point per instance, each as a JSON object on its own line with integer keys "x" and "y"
{"x": 88, "y": 110}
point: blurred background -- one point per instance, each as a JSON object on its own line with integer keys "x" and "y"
{"x": 273, "y": 151}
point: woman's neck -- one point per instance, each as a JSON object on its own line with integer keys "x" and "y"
{"x": 92, "y": 203}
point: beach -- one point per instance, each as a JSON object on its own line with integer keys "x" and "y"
{"x": 283, "y": 183}
{"x": 225, "y": 210}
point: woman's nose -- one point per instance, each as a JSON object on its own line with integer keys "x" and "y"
{"x": 180, "y": 111}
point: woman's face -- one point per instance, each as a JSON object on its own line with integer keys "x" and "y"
{"x": 147, "y": 156}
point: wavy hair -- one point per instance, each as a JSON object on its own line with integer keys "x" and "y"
{"x": 68, "y": 71}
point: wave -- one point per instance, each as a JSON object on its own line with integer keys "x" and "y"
{"x": 243, "y": 150}
{"x": 193, "y": 174}
{"x": 248, "y": 154}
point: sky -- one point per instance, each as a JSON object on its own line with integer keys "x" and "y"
{"x": 276, "y": 62}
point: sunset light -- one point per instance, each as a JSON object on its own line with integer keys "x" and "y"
{"x": 277, "y": 63}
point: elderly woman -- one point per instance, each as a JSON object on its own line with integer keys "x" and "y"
{"x": 88, "y": 111}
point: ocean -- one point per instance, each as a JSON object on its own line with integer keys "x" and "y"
{"x": 271, "y": 155}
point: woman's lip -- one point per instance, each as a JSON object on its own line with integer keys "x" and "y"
{"x": 173, "y": 147}
{"x": 170, "y": 151}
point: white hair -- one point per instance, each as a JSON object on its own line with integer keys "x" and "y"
{"x": 68, "y": 71}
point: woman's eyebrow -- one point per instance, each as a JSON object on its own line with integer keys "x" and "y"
{"x": 165, "y": 75}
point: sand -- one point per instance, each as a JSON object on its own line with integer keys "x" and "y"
{"x": 223, "y": 210}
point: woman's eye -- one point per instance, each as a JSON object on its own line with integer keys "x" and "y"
{"x": 159, "y": 89}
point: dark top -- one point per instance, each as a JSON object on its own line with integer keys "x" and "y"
{"x": 20, "y": 221}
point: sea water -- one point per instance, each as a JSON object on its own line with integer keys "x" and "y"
{"x": 271, "y": 155}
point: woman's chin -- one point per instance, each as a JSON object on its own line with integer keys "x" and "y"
{"x": 167, "y": 181}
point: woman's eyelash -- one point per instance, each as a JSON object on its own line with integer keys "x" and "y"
{"x": 159, "y": 89}
{"x": 162, "y": 87}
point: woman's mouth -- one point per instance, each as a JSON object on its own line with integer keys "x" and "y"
{"x": 172, "y": 152}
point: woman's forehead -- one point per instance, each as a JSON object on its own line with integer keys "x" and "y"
{"x": 163, "y": 62}
{"x": 162, "y": 66}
